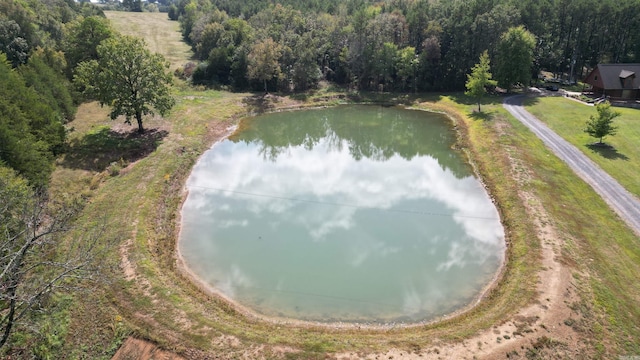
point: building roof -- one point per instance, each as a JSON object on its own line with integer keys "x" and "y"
{"x": 613, "y": 75}
{"x": 625, "y": 74}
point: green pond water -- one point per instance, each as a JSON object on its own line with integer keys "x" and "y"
{"x": 350, "y": 214}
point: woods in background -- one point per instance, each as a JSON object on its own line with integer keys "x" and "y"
{"x": 399, "y": 45}
{"x": 292, "y": 45}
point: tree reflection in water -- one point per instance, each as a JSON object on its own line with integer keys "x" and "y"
{"x": 377, "y": 136}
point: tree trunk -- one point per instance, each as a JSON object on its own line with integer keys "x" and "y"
{"x": 10, "y": 318}
{"x": 139, "y": 119}
{"x": 479, "y": 106}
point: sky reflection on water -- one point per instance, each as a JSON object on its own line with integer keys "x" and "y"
{"x": 334, "y": 225}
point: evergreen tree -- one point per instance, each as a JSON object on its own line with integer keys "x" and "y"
{"x": 31, "y": 132}
{"x": 52, "y": 86}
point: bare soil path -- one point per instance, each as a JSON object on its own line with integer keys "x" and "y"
{"x": 619, "y": 199}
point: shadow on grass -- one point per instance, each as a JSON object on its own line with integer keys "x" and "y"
{"x": 390, "y": 98}
{"x": 491, "y": 99}
{"x": 259, "y": 104}
{"x": 303, "y": 96}
{"x": 531, "y": 100}
{"x": 482, "y": 116}
{"x": 99, "y": 148}
{"x": 607, "y": 151}
{"x": 461, "y": 98}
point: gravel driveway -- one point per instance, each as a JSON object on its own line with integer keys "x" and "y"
{"x": 626, "y": 205}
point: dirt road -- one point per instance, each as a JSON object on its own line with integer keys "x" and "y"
{"x": 626, "y": 205}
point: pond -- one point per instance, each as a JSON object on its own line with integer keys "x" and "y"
{"x": 358, "y": 214}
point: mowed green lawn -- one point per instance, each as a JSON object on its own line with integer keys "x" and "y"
{"x": 567, "y": 118}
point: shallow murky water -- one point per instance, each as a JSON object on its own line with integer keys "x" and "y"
{"x": 352, "y": 214}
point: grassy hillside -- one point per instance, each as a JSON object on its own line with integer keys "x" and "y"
{"x": 162, "y": 36}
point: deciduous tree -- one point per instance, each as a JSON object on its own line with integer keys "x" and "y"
{"x": 479, "y": 79}
{"x": 515, "y": 57}
{"x": 384, "y": 63}
{"x": 263, "y": 61}
{"x": 305, "y": 70}
{"x": 407, "y": 64}
{"x": 82, "y": 39}
{"x": 129, "y": 78}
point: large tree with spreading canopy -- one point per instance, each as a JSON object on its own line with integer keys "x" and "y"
{"x": 129, "y": 78}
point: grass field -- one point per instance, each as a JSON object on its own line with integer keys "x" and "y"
{"x": 567, "y": 118}
{"x": 140, "y": 194}
{"x": 162, "y": 36}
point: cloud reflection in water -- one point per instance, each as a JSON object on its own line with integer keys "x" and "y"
{"x": 315, "y": 232}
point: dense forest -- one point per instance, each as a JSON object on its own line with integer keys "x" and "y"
{"x": 396, "y": 45}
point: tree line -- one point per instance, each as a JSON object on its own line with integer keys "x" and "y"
{"x": 395, "y": 45}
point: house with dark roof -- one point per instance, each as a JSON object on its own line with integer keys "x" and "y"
{"x": 617, "y": 81}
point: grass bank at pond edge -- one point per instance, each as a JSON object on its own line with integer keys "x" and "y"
{"x": 149, "y": 194}
{"x": 149, "y": 298}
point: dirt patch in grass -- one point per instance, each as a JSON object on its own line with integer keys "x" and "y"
{"x": 136, "y": 349}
